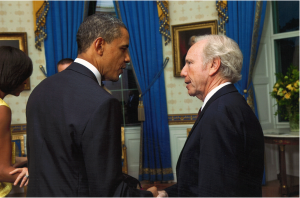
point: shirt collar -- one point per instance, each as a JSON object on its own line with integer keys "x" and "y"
{"x": 212, "y": 92}
{"x": 90, "y": 67}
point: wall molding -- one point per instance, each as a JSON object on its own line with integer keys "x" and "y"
{"x": 18, "y": 127}
{"x": 177, "y": 119}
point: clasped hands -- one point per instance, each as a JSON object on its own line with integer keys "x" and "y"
{"x": 157, "y": 193}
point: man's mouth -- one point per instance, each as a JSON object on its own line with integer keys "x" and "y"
{"x": 187, "y": 84}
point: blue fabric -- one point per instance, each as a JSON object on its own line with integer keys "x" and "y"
{"x": 141, "y": 19}
{"x": 62, "y": 22}
{"x": 240, "y": 25}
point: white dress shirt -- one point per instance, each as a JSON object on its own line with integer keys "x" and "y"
{"x": 90, "y": 67}
{"x": 212, "y": 92}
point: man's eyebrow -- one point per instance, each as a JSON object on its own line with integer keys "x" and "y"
{"x": 127, "y": 46}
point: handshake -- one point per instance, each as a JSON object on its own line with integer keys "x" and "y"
{"x": 157, "y": 193}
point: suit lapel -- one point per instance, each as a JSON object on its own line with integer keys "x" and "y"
{"x": 224, "y": 90}
{"x": 82, "y": 70}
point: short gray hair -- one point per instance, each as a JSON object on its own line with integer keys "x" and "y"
{"x": 98, "y": 25}
{"x": 229, "y": 53}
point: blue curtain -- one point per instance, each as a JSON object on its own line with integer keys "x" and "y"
{"x": 245, "y": 25}
{"x": 141, "y": 19}
{"x": 62, "y": 22}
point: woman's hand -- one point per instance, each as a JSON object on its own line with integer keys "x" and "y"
{"x": 24, "y": 176}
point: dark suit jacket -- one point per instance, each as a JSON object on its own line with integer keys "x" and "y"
{"x": 74, "y": 138}
{"x": 224, "y": 153}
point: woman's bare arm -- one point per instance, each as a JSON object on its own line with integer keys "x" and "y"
{"x": 5, "y": 147}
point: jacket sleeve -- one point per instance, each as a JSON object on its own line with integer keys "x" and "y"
{"x": 101, "y": 147}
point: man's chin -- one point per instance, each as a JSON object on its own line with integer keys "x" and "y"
{"x": 113, "y": 79}
{"x": 191, "y": 93}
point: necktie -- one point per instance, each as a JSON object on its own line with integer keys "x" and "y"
{"x": 199, "y": 112}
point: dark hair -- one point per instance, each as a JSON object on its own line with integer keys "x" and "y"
{"x": 65, "y": 61}
{"x": 15, "y": 68}
{"x": 98, "y": 25}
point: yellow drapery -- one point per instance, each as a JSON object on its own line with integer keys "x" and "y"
{"x": 163, "y": 14}
{"x": 40, "y": 10}
{"x": 36, "y": 6}
{"x": 221, "y": 7}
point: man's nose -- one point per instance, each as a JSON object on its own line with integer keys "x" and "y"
{"x": 183, "y": 72}
{"x": 127, "y": 57}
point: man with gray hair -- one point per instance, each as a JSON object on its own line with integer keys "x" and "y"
{"x": 224, "y": 153}
{"x": 74, "y": 125}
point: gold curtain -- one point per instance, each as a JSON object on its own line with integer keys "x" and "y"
{"x": 40, "y": 10}
{"x": 221, "y": 7}
{"x": 163, "y": 14}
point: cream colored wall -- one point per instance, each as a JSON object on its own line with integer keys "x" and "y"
{"x": 182, "y": 12}
{"x": 16, "y": 16}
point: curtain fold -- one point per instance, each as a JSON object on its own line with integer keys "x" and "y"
{"x": 63, "y": 20}
{"x": 245, "y": 25}
{"x": 141, "y": 19}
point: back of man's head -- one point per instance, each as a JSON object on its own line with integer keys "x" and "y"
{"x": 98, "y": 25}
{"x": 228, "y": 51}
{"x": 64, "y": 63}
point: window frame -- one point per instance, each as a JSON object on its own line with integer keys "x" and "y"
{"x": 274, "y": 69}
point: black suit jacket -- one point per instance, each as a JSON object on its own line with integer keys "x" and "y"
{"x": 224, "y": 153}
{"x": 74, "y": 138}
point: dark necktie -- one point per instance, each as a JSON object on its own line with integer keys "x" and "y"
{"x": 199, "y": 112}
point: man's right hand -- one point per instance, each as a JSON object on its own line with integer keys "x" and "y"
{"x": 162, "y": 193}
{"x": 153, "y": 189}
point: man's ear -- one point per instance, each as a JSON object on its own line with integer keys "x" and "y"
{"x": 214, "y": 66}
{"x": 99, "y": 45}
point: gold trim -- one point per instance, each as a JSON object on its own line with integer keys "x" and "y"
{"x": 118, "y": 10}
{"x": 221, "y": 7}
{"x": 182, "y": 118}
{"x": 164, "y": 21}
{"x": 40, "y": 34}
{"x": 254, "y": 44}
{"x": 124, "y": 152}
{"x": 281, "y": 147}
{"x": 158, "y": 171}
{"x": 188, "y": 130}
{"x": 19, "y": 136}
{"x": 18, "y": 128}
{"x": 250, "y": 100}
{"x": 212, "y": 24}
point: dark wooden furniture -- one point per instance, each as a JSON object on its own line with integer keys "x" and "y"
{"x": 282, "y": 138}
